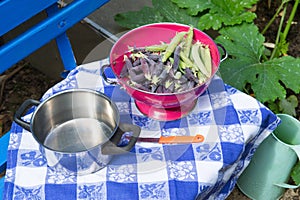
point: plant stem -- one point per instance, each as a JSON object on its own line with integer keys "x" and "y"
{"x": 274, "y": 16}
{"x": 281, "y": 37}
{"x": 275, "y": 50}
{"x": 290, "y": 20}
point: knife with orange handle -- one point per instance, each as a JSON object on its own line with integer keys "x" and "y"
{"x": 173, "y": 139}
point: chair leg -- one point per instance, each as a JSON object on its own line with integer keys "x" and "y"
{"x": 4, "y": 140}
{"x": 1, "y": 187}
{"x": 63, "y": 45}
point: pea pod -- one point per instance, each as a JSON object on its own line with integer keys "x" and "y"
{"x": 188, "y": 41}
{"x": 206, "y": 57}
{"x": 176, "y": 58}
{"x": 186, "y": 60}
{"x": 173, "y": 44}
{"x": 197, "y": 60}
{"x": 157, "y": 48}
{"x": 201, "y": 77}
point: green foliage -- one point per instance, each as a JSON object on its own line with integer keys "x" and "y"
{"x": 295, "y": 174}
{"x": 162, "y": 11}
{"x": 268, "y": 79}
{"x": 202, "y": 14}
{"x": 282, "y": 47}
{"x": 218, "y": 13}
{"x": 266, "y": 73}
{"x": 288, "y": 105}
{"x": 135, "y": 19}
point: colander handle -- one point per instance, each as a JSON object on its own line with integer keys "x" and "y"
{"x": 106, "y": 79}
{"x": 224, "y": 52}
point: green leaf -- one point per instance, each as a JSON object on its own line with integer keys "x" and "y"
{"x": 244, "y": 45}
{"x": 288, "y": 70}
{"x": 243, "y": 42}
{"x": 273, "y": 105}
{"x": 133, "y": 19}
{"x": 288, "y": 105}
{"x": 172, "y": 13}
{"x": 162, "y": 11}
{"x": 193, "y": 6}
{"x": 295, "y": 174}
{"x": 218, "y": 13}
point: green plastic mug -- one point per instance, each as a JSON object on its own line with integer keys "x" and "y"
{"x": 266, "y": 175}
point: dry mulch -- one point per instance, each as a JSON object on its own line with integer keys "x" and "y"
{"x": 17, "y": 84}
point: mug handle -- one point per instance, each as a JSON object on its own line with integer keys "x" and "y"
{"x": 296, "y": 148}
{"x": 111, "y": 148}
{"x": 21, "y": 110}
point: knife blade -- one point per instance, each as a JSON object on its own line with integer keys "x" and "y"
{"x": 173, "y": 139}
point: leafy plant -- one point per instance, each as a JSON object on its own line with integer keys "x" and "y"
{"x": 266, "y": 74}
{"x": 202, "y": 14}
{"x": 218, "y": 13}
{"x": 281, "y": 45}
{"x": 162, "y": 11}
{"x": 295, "y": 174}
{"x": 268, "y": 78}
{"x": 287, "y": 105}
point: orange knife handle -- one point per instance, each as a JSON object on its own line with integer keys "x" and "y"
{"x": 181, "y": 139}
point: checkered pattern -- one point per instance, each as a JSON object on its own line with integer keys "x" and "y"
{"x": 233, "y": 125}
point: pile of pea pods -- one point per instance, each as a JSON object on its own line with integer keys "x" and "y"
{"x": 171, "y": 67}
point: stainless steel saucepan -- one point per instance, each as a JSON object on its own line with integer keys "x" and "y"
{"x": 78, "y": 130}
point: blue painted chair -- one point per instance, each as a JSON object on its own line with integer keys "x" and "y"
{"x": 54, "y": 26}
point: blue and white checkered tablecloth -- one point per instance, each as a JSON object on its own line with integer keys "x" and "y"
{"x": 233, "y": 125}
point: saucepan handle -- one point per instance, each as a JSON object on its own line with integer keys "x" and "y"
{"x": 111, "y": 148}
{"x": 21, "y": 110}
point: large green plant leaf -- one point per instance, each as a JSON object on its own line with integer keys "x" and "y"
{"x": 218, "y": 13}
{"x": 244, "y": 44}
{"x": 162, "y": 11}
{"x": 194, "y": 6}
{"x": 133, "y": 19}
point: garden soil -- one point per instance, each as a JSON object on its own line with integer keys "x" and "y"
{"x": 24, "y": 81}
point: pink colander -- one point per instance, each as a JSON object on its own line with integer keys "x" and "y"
{"x": 160, "y": 106}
